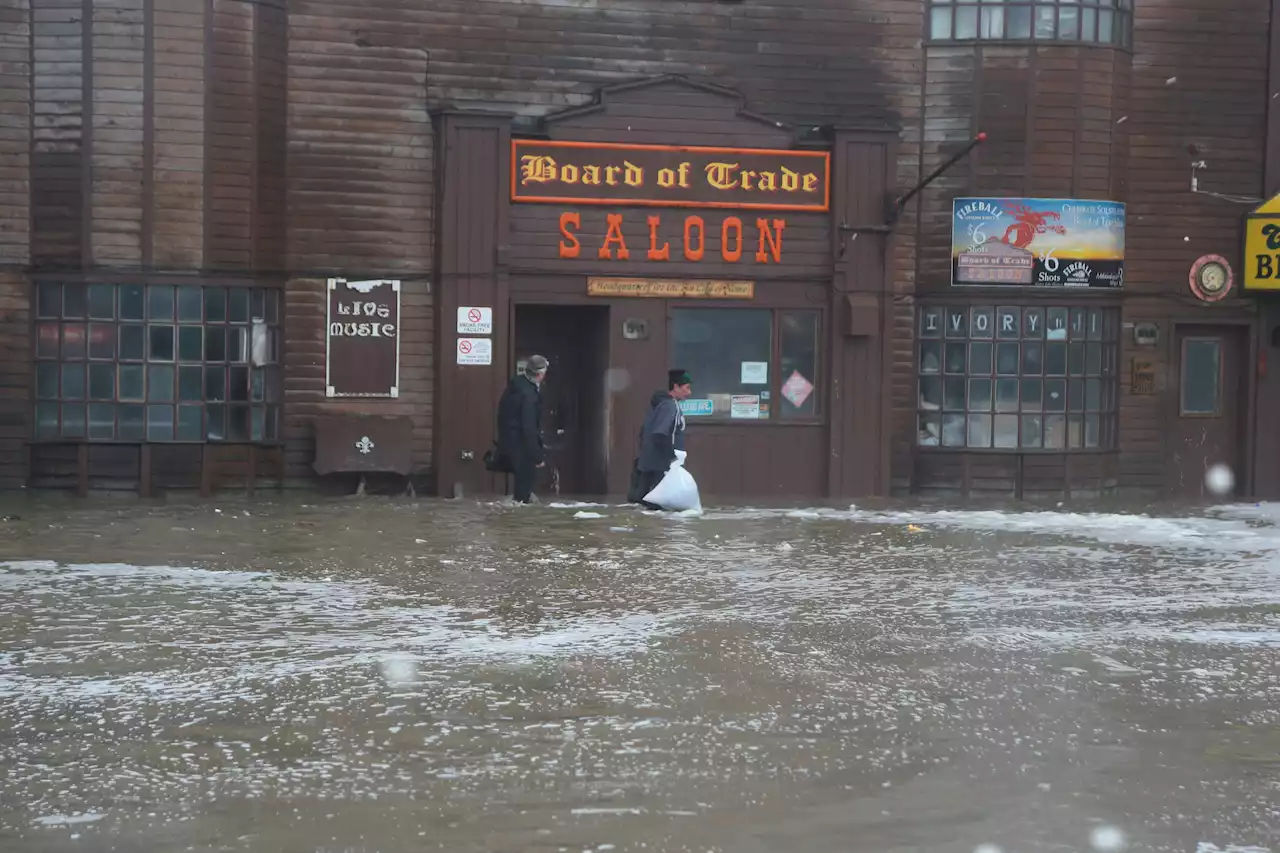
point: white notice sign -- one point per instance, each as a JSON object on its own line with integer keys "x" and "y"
{"x": 475, "y": 351}
{"x": 745, "y": 406}
{"x": 755, "y": 373}
{"x": 475, "y": 321}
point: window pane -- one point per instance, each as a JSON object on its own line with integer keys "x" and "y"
{"x": 238, "y": 423}
{"x": 1008, "y": 321}
{"x": 1019, "y": 22}
{"x": 190, "y": 343}
{"x": 190, "y": 303}
{"x": 955, "y": 358}
{"x": 798, "y": 341}
{"x": 979, "y": 359}
{"x": 257, "y": 308}
{"x": 1046, "y": 22}
{"x": 979, "y": 395}
{"x": 238, "y": 385}
{"x": 132, "y": 382}
{"x": 1201, "y": 373}
{"x": 1007, "y": 359}
{"x": 1032, "y": 395}
{"x": 712, "y": 344}
{"x": 161, "y": 343}
{"x": 1088, "y": 24}
{"x": 930, "y": 357}
{"x": 1033, "y": 359}
{"x": 258, "y": 382}
{"x": 979, "y": 430}
{"x": 215, "y": 344}
{"x": 992, "y": 23}
{"x": 73, "y": 381}
{"x": 160, "y": 383}
{"x": 1079, "y": 323}
{"x": 1075, "y": 359}
{"x": 49, "y": 305}
{"x": 75, "y": 303}
{"x": 191, "y": 384}
{"x": 1068, "y": 23}
{"x": 102, "y": 421}
{"x": 1032, "y": 430}
{"x": 215, "y": 383}
{"x": 1056, "y": 325}
{"x": 271, "y": 418}
{"x": 953, "y": 430}
{"x": 1005, "y": 432}
{"x": 1055, "y": 395}
{"x": 47, "y": 374}
{"x": 1075, "y": 432}
{"x": 160, "y": 303}
{"x": 1055, "y": 432}
{"x": 47, "y": 420}
{"x": 216, "y": 426}
{"x": 940, "y": 23}
{"x": 1006, "y": 395}
{"x": 931, "y": 322}
{"x": 257, "y": 425}
{"x": 273, "y": 306}
{"x": 930, "y": 393}
{"x": 1106, "y": 26}
{"x": 133, "y": 426}
{"x": 239, "y": 299}
{"x": 215, "y": 304}
{"x": 102, "y": 382}
{"x": 159, "y": 423}
{"x": 953, "y": 395}
{"x": 983, "y": 323}
{"x": 73, "y": 420}
{"x": 1093, "y": 395}
{"x": 102, "y": 340}
{"x": 132, "y": 302}
{"x": 1033, "y": 323}
{"x": 967, "y": 22}
{"x": 1075, "y": 395}
{"x": 133, "y": 342}
{"x": 102, "y": 302}
{"x": 957, "y": 323}
{"x": 1092, "y": 431}
{"x": 190, "y": 423}
{"x": 1055, "y": 362}
{"x": 929, "y": 431}
{"x": 47, "y": 337}
{"x": 1093, "y": 360}
{"x": 238, "y": 344}
{"x": 74, "y": 340}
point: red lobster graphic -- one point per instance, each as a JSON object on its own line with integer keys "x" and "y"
{"x": 1028, "y": 225}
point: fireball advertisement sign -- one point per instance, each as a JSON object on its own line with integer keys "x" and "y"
{"x": 1037, "y": 242}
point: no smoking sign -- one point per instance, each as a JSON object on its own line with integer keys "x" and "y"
{"x": 475, "y": 320}
{"x": 475, "y": 351}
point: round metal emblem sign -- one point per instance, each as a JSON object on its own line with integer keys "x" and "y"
{"x": 1211, "y": 278}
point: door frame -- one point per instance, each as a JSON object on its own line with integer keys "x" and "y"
{"x": 1173, "y": 349}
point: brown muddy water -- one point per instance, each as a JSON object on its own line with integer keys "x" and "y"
{"x": 379, "y": 676}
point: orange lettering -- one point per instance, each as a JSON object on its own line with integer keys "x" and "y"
{"x": 731, "y": 225}
{"x": 614, "y": 235}
{"x": 656, "y": 254}
{"x": 690, "y": 252}
{"x": 569, "y": 245}
{"x": 773, "y": 238}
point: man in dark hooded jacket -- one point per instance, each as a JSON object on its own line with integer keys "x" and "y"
{"x": 661, "y": 436}
{"x": 520, "y": 427}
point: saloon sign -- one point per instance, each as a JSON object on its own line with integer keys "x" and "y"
{"x": 362, "y": 339}
{"x": 1262, "y": 247}
{"x": 1021, "y": 242}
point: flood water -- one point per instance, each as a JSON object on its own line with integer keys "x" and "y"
{"x": 370, "y": 676}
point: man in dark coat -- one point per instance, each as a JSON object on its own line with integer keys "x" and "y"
{"x": 520, "y": 427}
{"x": 661, "y": 436}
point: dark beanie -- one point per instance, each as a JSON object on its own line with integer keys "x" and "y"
{"x": 678, "y": 377}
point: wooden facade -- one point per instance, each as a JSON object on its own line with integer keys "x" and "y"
{"x": 211, "y": 147}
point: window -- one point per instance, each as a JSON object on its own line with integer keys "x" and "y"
{"x": 1090, "y": 21}
{"x": 158, "y": 363}
{"x": 1201, "y": 376}
{"x": 1029, "y": 378}
{"x": 748, "y": 363}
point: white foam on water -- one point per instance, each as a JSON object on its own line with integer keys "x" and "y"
{"x": 68, "y": 820}
{"x": 1206, "y": 847}
{"x": 587, "y": 515}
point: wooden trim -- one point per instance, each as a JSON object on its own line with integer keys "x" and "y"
{"x": 255, "y": 90}
{"x": 1271, "y": 149}
{"x": 207, "y": 129}
{"x": 86, "y": 133}
{"x": 208, "y": 463}
{"x": 148, "y": 133}
{"x": 144, "y": 471}
{"x": 1029, "y": 126}
{"x": 82, "y": 469}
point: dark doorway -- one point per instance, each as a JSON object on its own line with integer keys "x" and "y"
{"x": 575, "y": 417}
{"x": 1209, "y": 386}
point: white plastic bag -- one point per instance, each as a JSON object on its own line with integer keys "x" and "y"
{"x": 677, "y": 491}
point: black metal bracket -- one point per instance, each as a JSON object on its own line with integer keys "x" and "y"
{"x": 895, "y": 207}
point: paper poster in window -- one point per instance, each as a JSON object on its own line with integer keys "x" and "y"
{"x": 755, "y": 373}
{"x": 745, "y": 407}
{"x": 797, "y": 389}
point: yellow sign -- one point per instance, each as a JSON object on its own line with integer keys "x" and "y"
{"x": 1262, "y": 247}
{"x": 661, "y": 288}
